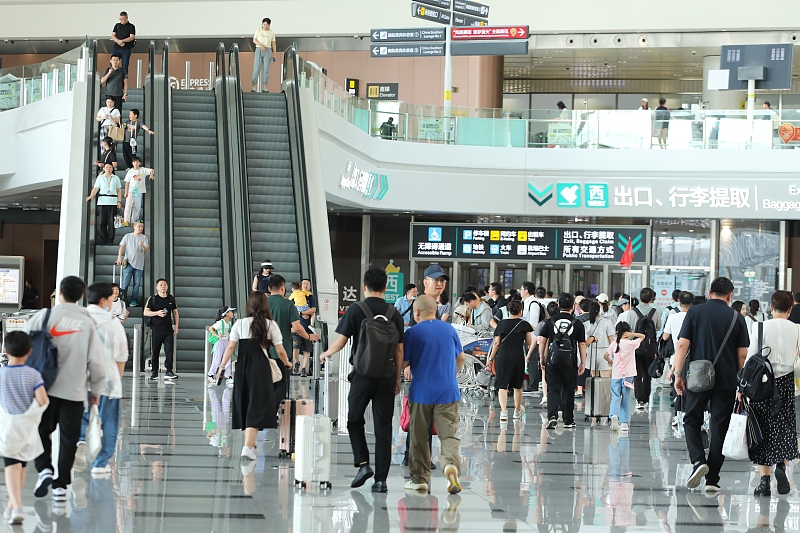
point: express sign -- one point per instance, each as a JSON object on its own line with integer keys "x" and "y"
{"x": 490, "y": 32}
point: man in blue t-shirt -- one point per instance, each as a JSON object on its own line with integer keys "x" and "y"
{"x": 433, "y": 351}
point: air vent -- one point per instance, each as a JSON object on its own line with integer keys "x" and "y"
{"x": 642, "y": 40}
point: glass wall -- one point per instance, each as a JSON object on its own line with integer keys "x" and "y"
{"x": 749, "y": 254}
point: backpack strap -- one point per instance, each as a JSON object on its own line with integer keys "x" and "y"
{"x": 638, "y": 313}
{"x": 367, "y": 311}
{"x": 651, "y": 314}
{"x": 760, "y": 336}
{"x": 390, "y": 312}
{"x": 46, "y": 320}
{"x": 728, "y": 335}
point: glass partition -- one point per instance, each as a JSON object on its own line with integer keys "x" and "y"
{"x": 748, "y": 256}
{"x": 27, "y": 84}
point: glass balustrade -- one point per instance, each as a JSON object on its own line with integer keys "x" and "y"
{"x": 27, "y": 84}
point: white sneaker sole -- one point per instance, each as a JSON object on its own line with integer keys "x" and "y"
{"x": 695, "y": 479}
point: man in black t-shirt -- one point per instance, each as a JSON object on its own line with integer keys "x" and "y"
{"x": 124, "y": 37}
{"x": 162, "y": 310}
{"x": 561, "y": 380}
{"x": 380, "y": 392}
{"x": 115, "y": 82}
{"x": 704, "y": 328}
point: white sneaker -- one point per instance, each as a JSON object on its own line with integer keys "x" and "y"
{"x": 229, "y": 382}
{"x": 623, "y": 428}
{"x": 80, "y": 457}
{"x": 614, "y": 423}
{"x": 249, "y": 453}
{"x": 43, "y": 483}
{"x": 503, "y": 416}
{"x": 101, "y": 470}
{"x": 410, "y": 485}
{"x": 59, "y": 495}
{"x": 543, "y": 402}
{"x": 16, "y": 517}
{"x": 519, "y": 412}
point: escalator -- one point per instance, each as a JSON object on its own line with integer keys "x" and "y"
{"x": 197, "y": 266}
{"x": 270, "y": 186}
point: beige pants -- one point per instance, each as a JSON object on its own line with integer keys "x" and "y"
{"x": 445, "y": 418}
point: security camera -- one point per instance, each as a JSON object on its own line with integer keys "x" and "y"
{"x": 694, "y": 52}
{"x": 61, "y": 40}
{"x": 605, "y": 63}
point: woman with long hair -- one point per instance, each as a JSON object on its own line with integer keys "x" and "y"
{"x": 782, "y": 338}
{"x": 508, "y": 352}
{"x": 599, "y": 334}
{"x": 739, "y": 307}
{"x": 253, "y": 396}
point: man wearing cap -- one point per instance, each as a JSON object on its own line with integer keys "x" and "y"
{"x": 261, "y": 280}
{"x": 133, "y": 246}
{"x": 434, "y": 282}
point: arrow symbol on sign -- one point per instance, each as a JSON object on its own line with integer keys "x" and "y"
{"x": 375, "y": 51}
{"x": 521, "y": 32}
{"x": 375, "y": 35}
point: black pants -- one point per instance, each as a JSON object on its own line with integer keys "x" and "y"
{"x": 534, "y": 372}
{"x": 561, "y": 391}
{"x": 694, "y": 406}
{"x": 67, "y": 415}
{"x": 127, "y": 153}
{"x": 641, "y": 383}
{"x": 167, "y": 339}
{"x": 105, "y": 224}
{"x": 381, "y": 393}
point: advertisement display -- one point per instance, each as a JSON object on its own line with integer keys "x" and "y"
{"x": 579, "y": 244}
{"x": 9, "y": 286}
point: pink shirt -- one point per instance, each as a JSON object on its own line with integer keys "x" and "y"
{"x": 625, "y": 359}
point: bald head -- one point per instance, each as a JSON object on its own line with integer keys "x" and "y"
{"x": 424, "y": 308}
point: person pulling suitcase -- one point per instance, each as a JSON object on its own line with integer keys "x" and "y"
{"x": 621, "y": 356}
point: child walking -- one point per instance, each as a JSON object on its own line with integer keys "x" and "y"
{"x": 621, "y": 355}
{"x": 218, "y": 337}
{"x": 21, "y": 406}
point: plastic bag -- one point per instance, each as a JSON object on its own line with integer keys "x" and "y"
{"x": 94, "y": 435}
{"x": 735, "y": 445}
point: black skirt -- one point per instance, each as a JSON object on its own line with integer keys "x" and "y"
{"x": 253, "y": 393}
{"x": 510, "y": 369}
{"x": 780, "y": 433}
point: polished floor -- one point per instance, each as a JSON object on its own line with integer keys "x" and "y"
{"x": 177, "y": 469}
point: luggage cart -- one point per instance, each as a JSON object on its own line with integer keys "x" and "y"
{"x": 476, "y": 347}
{"x": 13, "y": 322}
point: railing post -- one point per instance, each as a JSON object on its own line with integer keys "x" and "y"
{"x": 44, "y": 85}
{"x": 67, "y": 77}
{"x": 137, "y": 349}
{"x": 206, "y": 355}
{"x": 55, "y": 81}
{"x": 188, "y": 75}
{"x": 211, "y": 77}
{"x": 138, "y": 73}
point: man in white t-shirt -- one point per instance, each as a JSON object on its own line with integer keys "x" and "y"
{"x": 264, "y": 39}
{"x": 135, "y": 188}
{"x": 672, "y": 329}
{"x": 530, "y": 307}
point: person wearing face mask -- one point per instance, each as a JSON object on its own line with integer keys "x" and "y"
{"x": 403, "y": 305}
{"x": 114, "y": 346}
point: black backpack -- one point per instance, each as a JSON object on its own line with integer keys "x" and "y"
{"x": 646, "y": 326}
{"x": 757, "y": 379}
{"x": 44, "y": 354}
{"x": 542, "y": 311}
{"x": 562, "y": 350}
{"x": 377, "y": 344}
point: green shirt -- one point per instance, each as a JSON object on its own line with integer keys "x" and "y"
{"x": 284, "y": 313}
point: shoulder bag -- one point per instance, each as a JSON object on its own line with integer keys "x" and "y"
{"x": 117, "y": 133}
{"x": 701, "y": 375}
{"x": 797, "y": 358}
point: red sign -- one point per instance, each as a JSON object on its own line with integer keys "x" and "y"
{"x": 789, "y": 133}
{"x": 663, "y": 292}
{"x": 490, "y": 32}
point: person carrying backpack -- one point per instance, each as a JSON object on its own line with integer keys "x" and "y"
{"x": 644, "y": 318}
{"x": 562, "y": 358}
{"x": 377, "y": 358}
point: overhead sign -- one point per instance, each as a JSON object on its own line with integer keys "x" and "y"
{"x": 371, "y": 185}
{"x": 430, "y": 13}
{"x": 587, "y": 244}
{"x": 466, "y": 20}
{"x": 506, "y": 47}
{"x": 352, "y": 86}
{"x": 382, "y": 91}
{"x": 489, "y": 32}
{"x": 471, "y": 8}
{"x": 407, "y": 50}
{"x": 770, "y": 65}
{"x": 444, "y": 4}
{"x": 402, "y": 35}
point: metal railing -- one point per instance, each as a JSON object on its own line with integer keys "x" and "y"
{"x": 28, "y": 84}
{"x": 91, "y": 148}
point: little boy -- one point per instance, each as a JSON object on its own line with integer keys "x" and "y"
{"x": 131, "y": 135}
{"x": 118, "y": 308}
{"x": 135, "y": 189}
{"x": 299, "y": 297}
{"x": 19, "y": 419}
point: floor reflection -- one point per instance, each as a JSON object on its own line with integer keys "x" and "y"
{"x": 177, "y": 469}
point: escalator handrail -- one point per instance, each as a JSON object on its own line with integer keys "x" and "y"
{"x": 167, "y": 226}
{"x": 234, "y": 70}
{"x": 149, "y": 113}
{"x": 91, "y": 145}
{"x": 290, "y": 72}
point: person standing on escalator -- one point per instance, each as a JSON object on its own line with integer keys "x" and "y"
{"x": 261, "y": 280}
{"x": 109, "y": 191}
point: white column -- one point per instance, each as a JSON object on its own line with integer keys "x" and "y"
{"x": 782, "y": 285}
{"x": 366, "y": 236}
{"x": 714, "y": 252}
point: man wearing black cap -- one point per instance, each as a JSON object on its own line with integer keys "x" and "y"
{"x": 261, "y": 280}
{"x": 434, "y": 282}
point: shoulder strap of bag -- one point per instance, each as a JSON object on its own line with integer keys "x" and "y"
{"x": 407, "y": 310}
{"x": 512, "y": 331}
{"x": 760, "y": 337}
{"x": 638, "y": 313}
{"x": 390, "y": 311}
{"x": 651, "y": 314}
{"x": 46, "y": 320}
{"x": 367, "y": 311}
{"x": 727, "y": 336}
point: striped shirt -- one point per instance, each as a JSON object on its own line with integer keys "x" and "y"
{"x": 18, "y": 384}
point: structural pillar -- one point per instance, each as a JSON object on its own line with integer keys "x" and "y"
{"x": 485, "y": 88}
{"x": 714, "y": 99}
{"x": 366, "y": 237}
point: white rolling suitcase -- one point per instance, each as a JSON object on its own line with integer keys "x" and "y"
{"x": 312, "y": 452}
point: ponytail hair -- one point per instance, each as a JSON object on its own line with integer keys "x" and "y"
{"x": 594, "y": 310}
{"x": 221, "y": 313}
{"x": 621, "y": 329}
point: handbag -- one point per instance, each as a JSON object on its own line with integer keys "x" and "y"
{"x": 117, "y": 133}
{"x": 94, "y": 435}
{"x": 701, "y": 375}
{"x": 405, "y": 418}
{"x": 277, "y": 375}
{"x": 735, "y": 445}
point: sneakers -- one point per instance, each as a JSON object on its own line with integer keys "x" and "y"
{"x": 571, "y": 425}
{"x": 303, "y": 373}
{"x": 422, "y": 486}
{"x": 133, "y": 304}
{"x": 101, "y": 470}
{"x": 675, "y": 421}
{"x": 170, "y": 375}
{"x": 80, "y": 457}
{"x": 615, "y": 423}
{"x": 640, "y": 406}
{"x": 699, "y": 470}
{"x": 453, "y": 484}
{"x": 249, "y": 453}
{"x": 296, "y": 369}
{"x": 519, "y": 412}
{"x": 623, "y": 428}
{"x": 229, "y": 382}
{"x": 15, "y": 517}
{"x": 503, "y": 416}
{"x": 712, "y": 489}
{"x": 543, "y": 403}
{"x": 211, "y": 379}
{"x": 552, "y": 423}
{"x": 43, "y": 483}
{"x": 153, "y": 377}
{"x": 59, "y": 495}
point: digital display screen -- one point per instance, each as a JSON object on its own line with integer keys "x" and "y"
{"x": 9, "y": 286}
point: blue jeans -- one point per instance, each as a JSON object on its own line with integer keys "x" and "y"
{"x": 125, "y": 54}
{"x": 261, "y": 62}
{"x": 621, "y": 400}
{"x": 128, "y": 274}
{"x": 109, "y": 421}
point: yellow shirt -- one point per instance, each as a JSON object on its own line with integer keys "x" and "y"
{"x": 300, "y": 298}
{"x": 265, "y": 37}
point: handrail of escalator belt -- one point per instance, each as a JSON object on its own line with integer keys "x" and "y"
{"x": 87, "y": 250}
{"x": 290, "y": 72}
{"x": 234, "y": 71}
{"x": 168, "y": 218}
